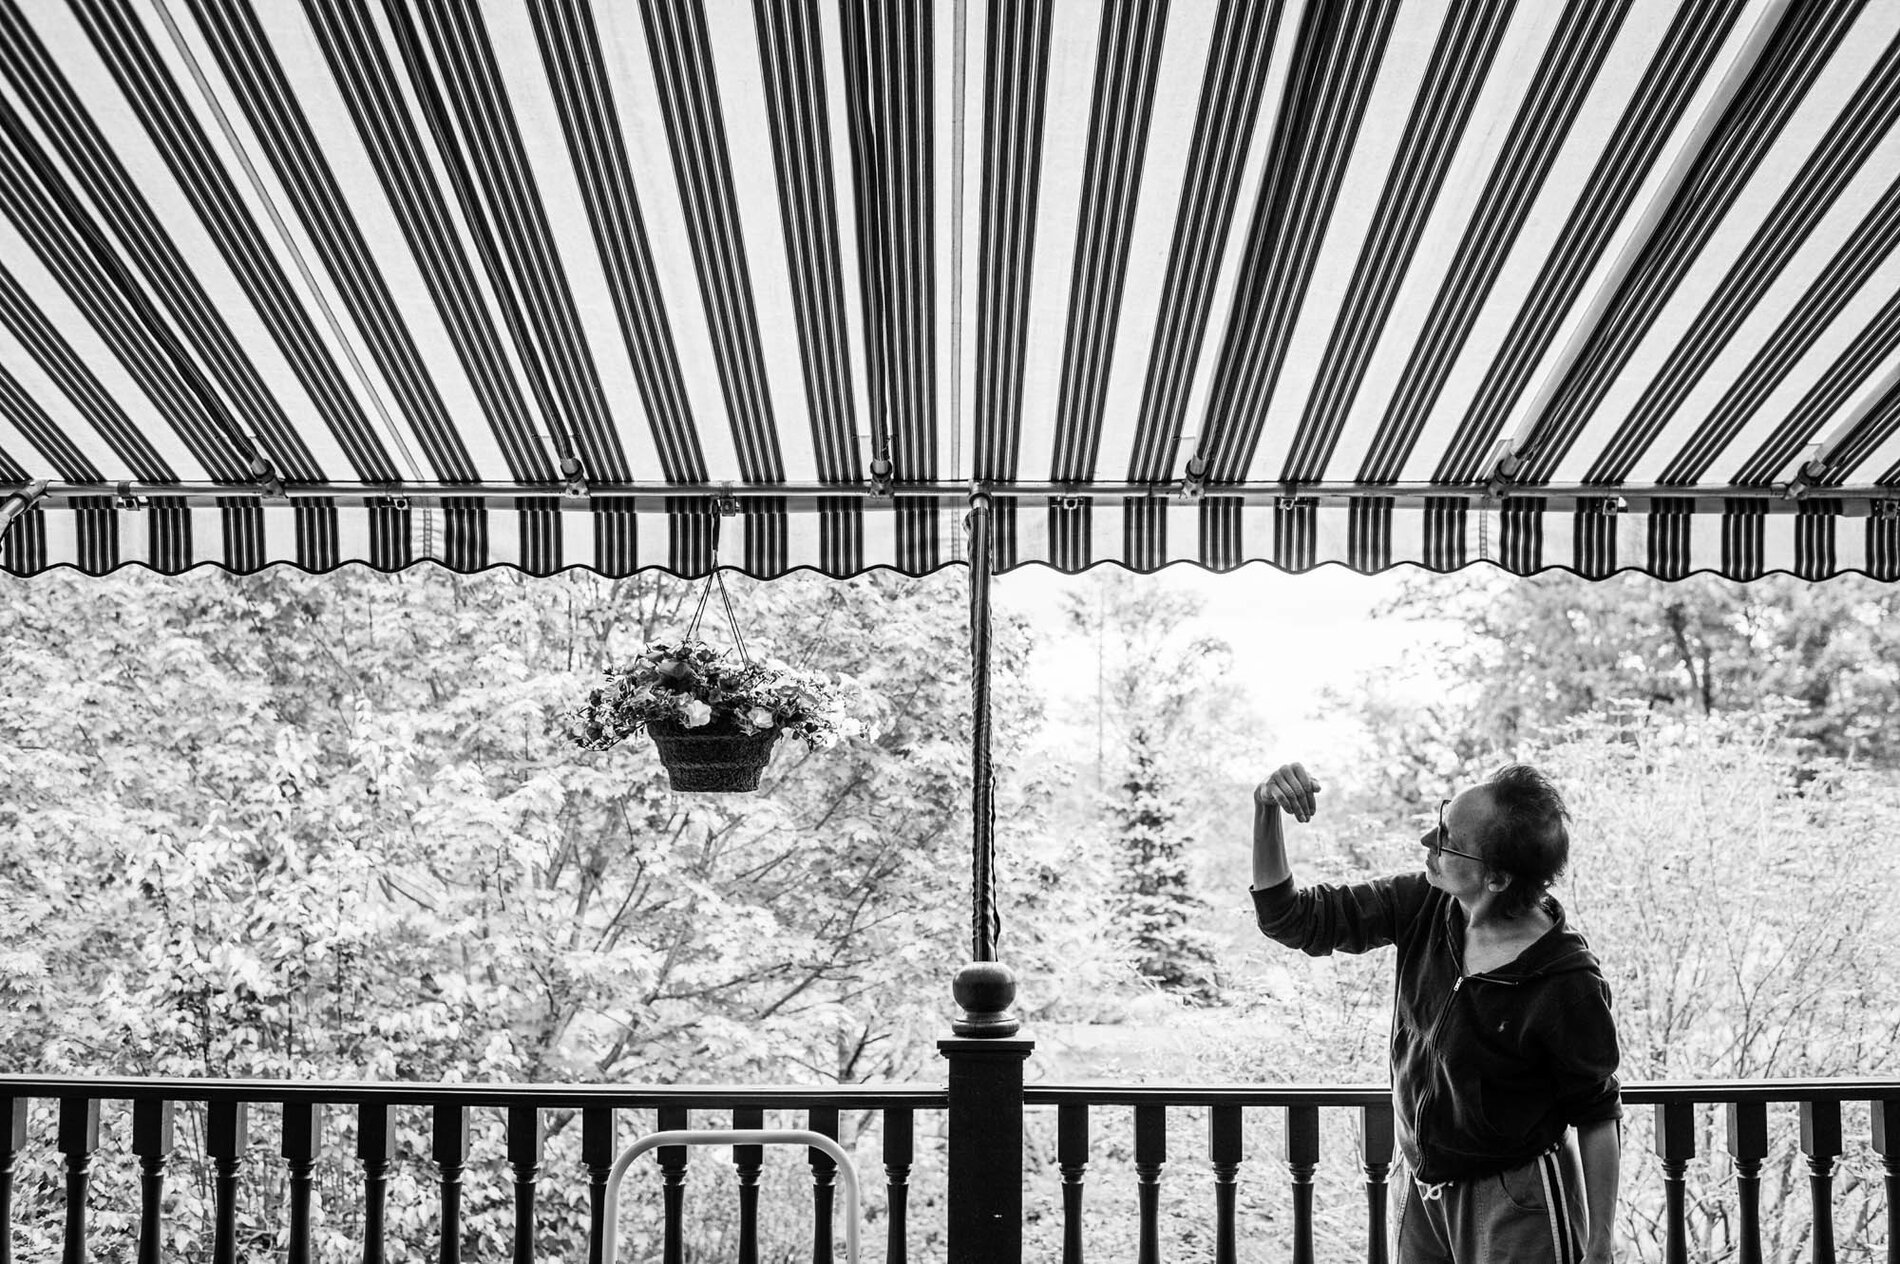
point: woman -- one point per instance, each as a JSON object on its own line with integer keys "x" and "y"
{"x": 1502, "y": 1037}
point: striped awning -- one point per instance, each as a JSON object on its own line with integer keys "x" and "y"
{"x": 1601, "y": 284}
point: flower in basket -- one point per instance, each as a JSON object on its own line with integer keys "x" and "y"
{"x": 701, "y": 688}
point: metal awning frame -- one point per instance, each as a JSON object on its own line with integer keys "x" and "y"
{"x": 1852, "y": 501}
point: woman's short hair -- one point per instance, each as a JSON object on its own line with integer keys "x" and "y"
{"x": 1527, "y": 835}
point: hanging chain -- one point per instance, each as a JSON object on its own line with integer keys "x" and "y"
{"x": 716, "y": 577}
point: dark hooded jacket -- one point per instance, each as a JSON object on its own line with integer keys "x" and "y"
{"x": 1487, "y": 1069}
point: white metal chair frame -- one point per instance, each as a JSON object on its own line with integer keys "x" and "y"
{"x": 847, "y": 1171}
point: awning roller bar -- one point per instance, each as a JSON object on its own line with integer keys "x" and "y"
{"x": 658, "y": 498}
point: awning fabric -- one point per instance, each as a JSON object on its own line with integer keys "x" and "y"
{"x": 1598, "y": 285}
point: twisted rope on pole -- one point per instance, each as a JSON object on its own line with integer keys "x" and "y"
{"x": 985, "y": 921}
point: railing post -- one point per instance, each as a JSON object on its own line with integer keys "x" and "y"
{"x": 302, "y": 1143}
{"x": 1748, "y": 1146}
{"x": 1886, "y": 1120}
{"x": 448, "y": 1145}
{"x": 152, "y": 1142}
{"x": 1821, "y": 1142}
{"x": 17, "y": 1110}
{"x": 899, "y": 1151}
{"x": 375, "y": 1150}
{"x": 1072, "y": 1156}
{"x": 78, "y": 1138}
{"x": 986, "y": 1148}
{"x": 673, "y": 1161}
{"x": 1226, "y": 1148}
{"x": 748, "y": 1161}
{"x": 1302, "y": 1160}
{"x": 227, "y": 1136}
{"x": 1675, "y": 1146}
{"x": 599, "y": 1149}
{"x": 525, "y": 1137}
{"x": 1376, "y": 1157}
{"x": 824, "y": 1179}
{"x": 1151, "y": 1156}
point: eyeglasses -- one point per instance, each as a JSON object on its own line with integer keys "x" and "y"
{"x": 1435, "y": 841}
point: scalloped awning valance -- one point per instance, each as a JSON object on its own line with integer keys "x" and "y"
{"x": 1602, "y": 284}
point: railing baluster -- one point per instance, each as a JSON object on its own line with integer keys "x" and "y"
{"x": 375, "y": 1150}
{"x": 1675, "y": 1146}
{"x": 227, "y": 1135}
{"x": 1151, "y": 1155}
{"x": 448, "y": 1145}
{"x": 899, "y": 1151}
{"x": 1225, "y": 1149}
{"x": 824, "y": 1174}
{"x": 525, "y": 1137}
{"x": 1748, "y": 1146}
{"x": 18, "y": 1109}
{"x": 673, "y": 1185}
{"x": 1072, "y": 1156}
{"x": 303, "y": 1134}
{"x": 748, "y": 1160}
{"x": 1302, "y": 1158}
{"x": 152, "y": 1142}
{"x": 1886, "y": 1121}
{"x": 78, "y": 1138}
{"x": 599, "y": 1148}
{"x": 1375, "y": 1123}
{"x": 1821, "y": 1142}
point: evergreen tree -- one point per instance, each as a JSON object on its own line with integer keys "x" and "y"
{"x": 1155, "y": 906}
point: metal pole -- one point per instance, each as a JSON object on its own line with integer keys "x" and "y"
{"x": 985, "y": 988}
{"x": 982, "y": 791}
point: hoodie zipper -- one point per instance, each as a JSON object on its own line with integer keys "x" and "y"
{"x": 1431, "y": 1050}
{"x": 1431, "y": 1047}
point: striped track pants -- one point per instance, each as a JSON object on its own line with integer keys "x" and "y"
{"x": 1532, "y": 1214}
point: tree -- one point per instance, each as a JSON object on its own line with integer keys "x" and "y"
{"x": 1153, "y": 902}
{"x": 289, "y": 825}
{"x": 1174, "y": 746}
{"x": 1541, "y": 649}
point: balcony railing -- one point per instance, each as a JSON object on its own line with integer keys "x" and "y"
{"x": 303, "y": 1108}
{"x": 1745, "y": 1109}
{"x": 986, "y": 1106}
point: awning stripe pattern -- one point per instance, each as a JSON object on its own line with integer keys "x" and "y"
{"x": 1592, "y": 284}
{"x": 1670, "y": 536}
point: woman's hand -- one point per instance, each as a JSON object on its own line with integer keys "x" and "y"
{"x": 1290, "y": 789}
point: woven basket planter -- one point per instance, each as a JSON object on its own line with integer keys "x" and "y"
{"x": 712, "y": 759}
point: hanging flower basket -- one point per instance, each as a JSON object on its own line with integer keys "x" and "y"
{"x": 707, "y": 760}
{"x": 714, "y": 715}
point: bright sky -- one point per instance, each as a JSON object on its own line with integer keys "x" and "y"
{"x": 1294, "y": 636}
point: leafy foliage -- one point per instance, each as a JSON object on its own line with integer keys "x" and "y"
{"x": 331, "y": 826}
{"x": 297, "y": 826}
{"x": 1531, "y": 653}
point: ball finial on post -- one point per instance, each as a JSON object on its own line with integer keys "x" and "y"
{"x": 985, "y": 990}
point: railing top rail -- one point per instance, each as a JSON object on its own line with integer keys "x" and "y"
{"x": 1766, "y": 1090}
{"x": 856, "y": 1096}
{"x": 1346, "y": 1095}
{"x": 407, "y": 1093}
{"x": 1107, "y": 1094}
